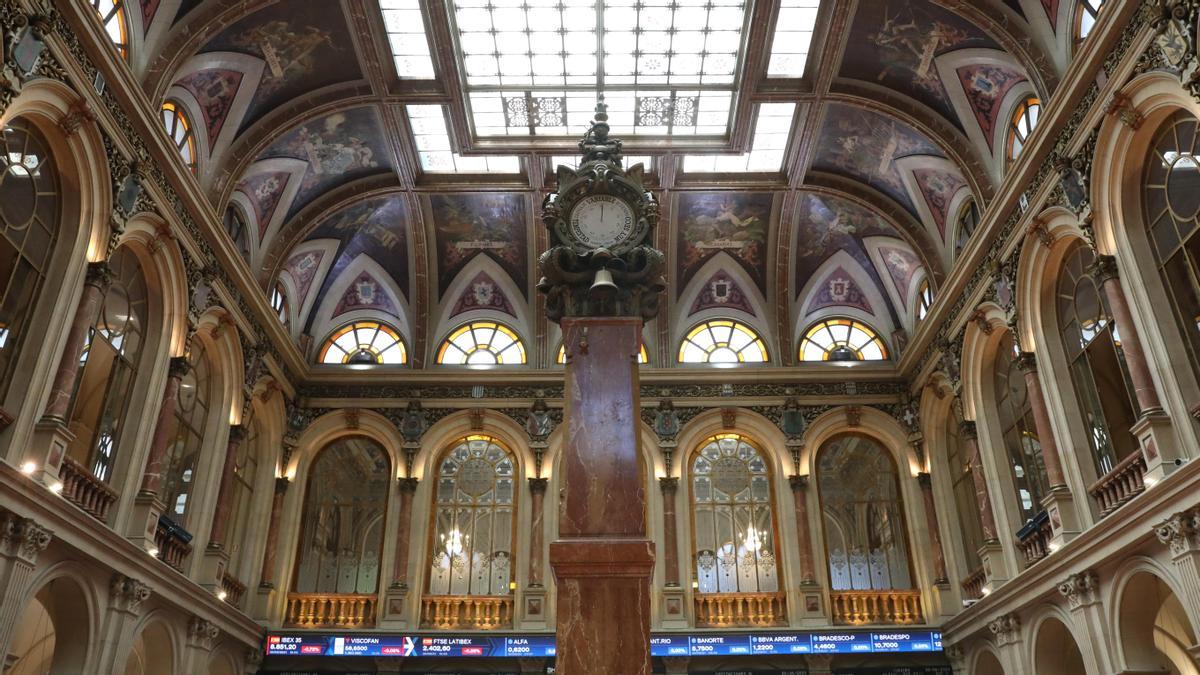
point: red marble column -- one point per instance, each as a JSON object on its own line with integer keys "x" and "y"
{"x": 935, "y": 532}
{"x": 164, "y": 428}
{"x": 670, "y": 487}
{"x": 271, "y": 553}
{"x": 602, "y": 560}
{"x": 408, "y": 487}
{"x": 986, "y": 517}
{"x": 1104, "y": 269}
{"x": 537, "y": 527}
{"x": 808, "y": 573}
{"x": 220, "y": 523}
{"x": 1027, "y": 362}
{"x": 99, "y": 278}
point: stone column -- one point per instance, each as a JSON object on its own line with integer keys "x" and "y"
{"x": 202, "y": 637}
{"x": 991, "y": 553}
{"x": 270, "y": 555}
{"x": 164, "y": 428}
{"x": 1153, "y": 427}
{"x": 603, "y": 559}
{"x": 808, "y": 572}
{"x": 1059, "y": 501}
{"x": 220, "y": 522}
{"x": 1181, "y": 533}
{"x": 21, "y": 542}
{"x": 125, "y": 598}
{"x": 1082, "y": 592}
{"x": 935, "y": 532}
{"x": 669, "y": 487}
{"x": 408, "y": 487}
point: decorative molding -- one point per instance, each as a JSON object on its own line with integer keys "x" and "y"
{"x": 1081, "y": 589}
{"x": 202, "y": 633}
{"x": 1006, "y": 628}
{"x": 1181, "y": 532}
{"x": 1120, "y": 106}
{"x": 127, "y": 594}
{"x": 22, "y": 538}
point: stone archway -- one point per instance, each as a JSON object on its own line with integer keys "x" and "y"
{"x": 58, "y": 609}
{"x": 152, "y": 652}
{"x": 987, "y": 664}
{"x": 1055, "y": 651}
{"x": 1154, "y": 629}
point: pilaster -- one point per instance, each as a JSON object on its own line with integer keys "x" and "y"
{"x": 1006, "y": 631}
{"x": 1181, "y": 533}
{"x": 202, "y": 637}
{"x": 21, "y": 542}
{"x": 1082, "y": 591}
{"x": 125, "y": 598}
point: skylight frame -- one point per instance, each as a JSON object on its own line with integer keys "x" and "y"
{"x": 408, "y": 40}
{"x": 786, "y": 39}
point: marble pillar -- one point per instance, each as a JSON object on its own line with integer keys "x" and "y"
{"x": 799, "y": 484}
{"x": 669, "y": 487}
{"x": 1059, "y": 502}
{"x": 164, "y": 428}
{"x": 603, "y": 559}
{"x": 270, "y": 555}
{"x": 991, "y": 553}
{"x": 220, "y": 522}
{"x": 935, "y": 532}
{"x": 537, "y": 526}
{"x": 408, "y": 487}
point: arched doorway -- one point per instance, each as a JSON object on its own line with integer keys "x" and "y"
{"x": 1154, "y": 629}
{"x": 1055, "y": 651}
{"x": 57, "y": 610}
{"x": 152, "y": 653}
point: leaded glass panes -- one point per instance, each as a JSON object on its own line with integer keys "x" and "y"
{"x": 1020, "y": 431}
{"x": 1024, "y": 119}
{"x": 432, "y": 137}
{"x": 112, "y": 16}
{"x": 841, "y": 340}
{"x": 406, "y": 34}
{"x": 345, "y": 503}
{"x": 474, "y": 519}
{"x": 793, "y": 36}
{"x": 482, "y": 343}
{"x": 722, "y": 341}
{"x": 966, "y": 502}
{"x": 108, "y": 367}
{"x": 863, "y": 518}
{"x": 191, "y": 422}
{"x": 179, "y": 130}
{"x": 364, "y": 343}
{"x": 30, "y": 210}
{"x": 733, "y": 516}
{"x": 772, "y": 126}
{"x": 1098, "y": 368}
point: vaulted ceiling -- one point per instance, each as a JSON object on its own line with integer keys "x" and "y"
{"x": 369, "y": 189}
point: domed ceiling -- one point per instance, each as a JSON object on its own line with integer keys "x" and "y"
{"x": 813, "y": 158}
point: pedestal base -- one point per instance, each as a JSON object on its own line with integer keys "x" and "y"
{"x": 674, "y": 607}
{"x": 810, "y": 604}
{"x": 533, "y": 608}
{"x": 1157, "y": 440}
{"x": 1064, "y": 520}
{"x": 51, "y": 438}
{"x": 994, "y": 569}
{"x": 212, "y": 568}
{"x": 144, "y": 521}
{"x": 603, "y": 605}
{"x": 396, "y": 608}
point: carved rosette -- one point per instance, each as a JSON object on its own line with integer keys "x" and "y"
{"x": 23, "y": 538}
{"x": 127, "y": 594}
{"x": 1181, "y": 532}
{"x": 1081, "y": 589}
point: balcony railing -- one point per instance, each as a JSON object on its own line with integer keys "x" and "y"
{"x": 972, "y": 586}
{"x": 173, "y": 543}
{"x": 475, "y": 612}
{"x": 723, "y": 610}
{"x": 856, "y": 608}
{"x": 233, "y": 589}
{"x": 330, "y": 610}
{"x": 86, "y": 491}
{"x": 1120, "y": 485}
{"x": 1033, "y": 539}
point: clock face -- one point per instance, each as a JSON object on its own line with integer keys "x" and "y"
{"x": 601, "y": 221}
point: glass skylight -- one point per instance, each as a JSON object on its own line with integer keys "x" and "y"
{"x": 793, "y": 36}
{"x": 406, "y": 34}
{"x": 573, "y": 161}
{"x": 536, "y": 67}
{"x": 771, "y": 128}
{"x": 437, "y": 155}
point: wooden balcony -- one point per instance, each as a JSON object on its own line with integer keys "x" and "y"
{"x": 467, "y": 612}
{"x": 856, "y": 608}
{"x": 173, "y": 543}
{"x": 1033, "y": 540}
{"x": 86, "y": 491}
{"x": 330, "y": 610}
{"x": 233, "y": 589}
{"x": 725, "y": 610}
{"x": 1120, "y": 485}
{"x": 972, "y": 586}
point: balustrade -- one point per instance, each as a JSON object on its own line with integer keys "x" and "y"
{"x": 876, "y": 607}
{"x": 475, "y": 612}
{"x": 324, "y": 610}
{"x": 1033, "y": 539}
{"x": 86, "y": 491}
{"x": 972, "y": 586}
{"x": 722, "y": 610}
{"x": 173, "y": 543}
{"x": 1120, "y": 485}
{"x": 233, "y": 589}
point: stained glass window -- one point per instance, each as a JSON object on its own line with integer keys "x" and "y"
{"x": 474, "y": 518}
{"x": 772, "y": 126}
{"x": 722, "y": 341}
{"x": 1020, "y": 431}
{"x": 733, "y": 518}
{"x": 841, "y": 340}
{"x": 562, "y": 355}
{"x": 432, "y": 137}
{"x": 179, "y": 129}
{"x": 924, "y": 300}
{"x": 1024, "y": 119}
{"x": 112, "y": 15}
{"x": 191, "y": 422}
{"x": 482, "y": 343}
{"x": 793, "y": 36}
{"x": 1086, "y": 13}
{"x": 364, "y": 343}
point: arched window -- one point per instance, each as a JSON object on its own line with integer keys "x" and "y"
{"x": 722, "y": 341}
{"x": 191, "y": 422}
{"x": 30, "y": 210}
{"x": 733, "y": 518}
{"x": 364, "y": 342}
{"x": 1172, "y": 205}
{"x": 245, "y": 472}
{"x": 279, "y": 303}
{"x": 108, "y": 368}
{"x": 238, "y": 231}
{"x": 863, "y": 517}
{"x": 474, "y": 520}
{"x": 482, "y": 343}
{"x": 112, "y": 15}
{"x": 841, "y": 340}
{"x": 341, "y": 535}
{"x": 1020, "y": 431}
{"x": 1024, "y": 119}
{"x": 1086, "y": 13}
{"x": 562, "y": 355}
{"x": 924, "y": 299}
{"x": 1097, "y": 365}
{"x": 966, "y": 502}
{"x": 179, "y": 129}
{"x": 968, "y": 220}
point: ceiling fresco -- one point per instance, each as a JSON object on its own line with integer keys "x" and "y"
{"x": 334, "y": 188}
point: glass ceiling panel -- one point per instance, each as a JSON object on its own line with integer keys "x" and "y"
{"x": 772, "y": 125}
{"x": 793, "y": 36}
{"x": 665, "y": 67}
{"x": 406, "y": 34}
{"x": 436, "y": 153}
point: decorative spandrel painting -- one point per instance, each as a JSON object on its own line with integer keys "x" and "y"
{"x": 264, "y": 191}
{"x": 986, "y": 85}
{"x": 304, "y": 46}
{"x": 482, "y": 293}
{"x": 839, "y": 289}
{"x": 863, "y": 518}
{"x": 865, "y": 145}
{"x": 494, "y": 224}
{"x": 902, "y": 266}
{"x": 721, "y": 291}
{"x": 908, "y": 36}
{"x": 338, "y": 148}
{"x": 737, "y": 223}
{"x": 214, "y": 90}
{"x": 303, "y": 268}
{"x": 938, "y": 188}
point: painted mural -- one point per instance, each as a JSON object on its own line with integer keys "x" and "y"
{"x": 264, "y": 191}
{"x": 734, "y": 222}
{"x": 303, "y": 268}
{"x": 1051, "y": 7}
{"x": 304, "y": 46}
{"x": 365, "y": 292}
{"x": 902, "y": 266}
{"x": 494, "y": 224}
{"x": 839, "y": 289}
{"x": 721, "y": 291}
{"x": 482, "y": 293}
{"x": 338, "y": 148}
{"x": 149, "y": 9}
{"x": 377, "y": 228}
{"x": 864, "y": 145}
{"x": 214, "y": 90}
{"x": 938, "y": 188}
{"x": 986, "y": 85}
{"x": 908, "y": 35}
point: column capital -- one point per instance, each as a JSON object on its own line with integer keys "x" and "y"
{"x": 1104, "y": 267}
{"x": 798, "y": 482}
{"x": 179, "y": 367}
{"x": 237, "y": 433}
{"x": 925, "y": 480}
{"x": 968, "y": 430}
{"x": 99, "y": 274}
{"x": 538, "y": 485}
{"x": 1006, "y": 628}
{"x": 668, "y": 484}
{"x": 23, "y": 538}
{"x": 202, "y": 633}
{"x": 408, "y": 485}
{"x": 1027, "y": 362}
{"x": 1081, "y": 589}
{"x": 281, "y": 485}
{"x": 1181, "y": 532}
{"x": 126, "y": 594}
